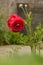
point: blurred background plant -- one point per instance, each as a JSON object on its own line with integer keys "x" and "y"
{"x": 3, "y": 27}
{"x": 33, "y": 38}
{"x": 15, "y": 38}
{"x": 38, "y": 36}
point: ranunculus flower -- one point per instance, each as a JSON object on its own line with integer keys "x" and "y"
{"x": 15, "y": 23}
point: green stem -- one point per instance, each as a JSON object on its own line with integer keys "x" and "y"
{"x": 35, "y": 49}
{"x": 39, "y": 49}
{"x": 24, "y": 12}
{"x": 32, "y": 49}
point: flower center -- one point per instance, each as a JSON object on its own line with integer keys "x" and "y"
{"x": 17, "y": 25}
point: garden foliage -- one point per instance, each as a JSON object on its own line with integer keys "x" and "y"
{"x": 33, "y": 38}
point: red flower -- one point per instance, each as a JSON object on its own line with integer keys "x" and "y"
{"x": 15, "y": 23}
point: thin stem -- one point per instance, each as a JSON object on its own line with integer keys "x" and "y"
{"x": 24, "y": 12}
{"x": 39, "y": 49}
